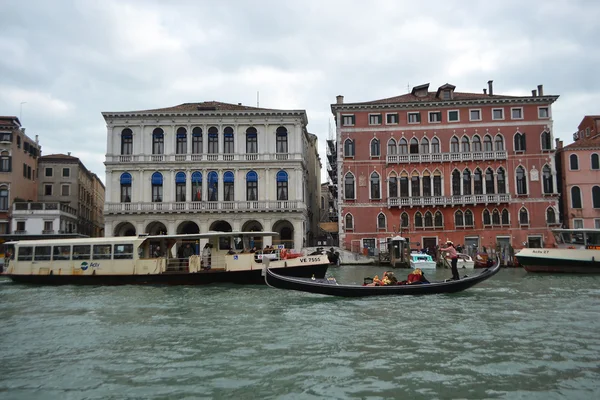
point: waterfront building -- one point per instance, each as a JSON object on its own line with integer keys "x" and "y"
{"x": 579, "y": 167}
{"x": 38, "y": 218}
{"x": 64, "y": 179}
{"x": 474, "y": 168}
{"x": 207, "y": 166}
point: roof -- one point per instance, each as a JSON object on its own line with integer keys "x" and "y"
{"x": 584, "y": 143}
{"x": 58, "y": 156}
{"x": 203, "y": 106}
{"x": 10, "y": 120}
{"x": 431, "y": 96}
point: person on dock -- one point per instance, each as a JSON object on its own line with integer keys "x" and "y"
{"x": 206, "y": 253}
{"x": 453, "y": 254}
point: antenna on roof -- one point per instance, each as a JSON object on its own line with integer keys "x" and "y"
{"x": 257, "y": 97}
{"x": 408, "y": 87}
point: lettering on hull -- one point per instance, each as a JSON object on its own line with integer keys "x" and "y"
{"x": 310, "y": 259}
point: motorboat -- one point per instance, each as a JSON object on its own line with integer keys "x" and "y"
{"x": 423, "y": 261}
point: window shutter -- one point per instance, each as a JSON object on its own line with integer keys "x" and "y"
{"x": 9, "y": 164}
{"x": 523, "y": 142}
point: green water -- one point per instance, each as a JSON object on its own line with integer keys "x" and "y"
{"x": 516, "y": 336}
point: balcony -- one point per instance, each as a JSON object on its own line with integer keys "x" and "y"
{"x": 34, "y": 208}
{"x": 205, "y": 207}
{"x": 448, "y": 200}
{"x": 227, "y": 157}
{"x": 446, "y": 157}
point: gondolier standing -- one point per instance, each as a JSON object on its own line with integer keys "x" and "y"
{"x": 452, "y": 253}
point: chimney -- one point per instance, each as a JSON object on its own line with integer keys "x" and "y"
{"x": 533, "y": 93}
{"x": 339, "y": 99}
{"x": 69, "y": 153}
{"x": 541, "y": 90}
{"x": 559, "y": 144}
{"x": 239, "y": 104}
{"x": 491, "y": 88}
{"x": 484, "y": 91}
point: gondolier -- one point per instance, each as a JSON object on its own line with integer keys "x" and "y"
{"x": 453, "y": 254}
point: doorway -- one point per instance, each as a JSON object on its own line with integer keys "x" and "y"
{"x": 471, "y": 245}
{"x": 535, "y": 242}
{"x": 429, "y": 244}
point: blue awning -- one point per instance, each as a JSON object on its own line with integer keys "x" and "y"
{"x": 157, "y": 178}
{"x": 251, "y": 177}
{"x": 180, "y": 177}
{"x": 282, "y": 176}
{"x": 181, "y": 135}
{"x": 228, "y": 177}
{"x": 126, "y": 178}
{"x": 228, "y": 134}
{"x": 197, "y": 177}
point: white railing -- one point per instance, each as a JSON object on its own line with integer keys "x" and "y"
{"x": 206, "y": 206}
{"x": 448, "y": 200}
{"x": 446, "y": 157}
{"x": 204, "y": 157}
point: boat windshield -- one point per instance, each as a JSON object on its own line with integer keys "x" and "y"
{"x": 421, "y": 258}
{"x": 592, "y": 238}
{"x": 573, "y": 238}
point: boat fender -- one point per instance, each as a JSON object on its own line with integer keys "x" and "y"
{"x": 285, "y": 264}
{"x": 51, "y": 272}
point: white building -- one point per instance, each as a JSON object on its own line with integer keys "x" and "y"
{"x": 211, "y": 166}
{"x": 33, "y": 218}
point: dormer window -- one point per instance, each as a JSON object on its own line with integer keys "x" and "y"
{"x": 446, "y": 95}
{"x": 421, "y": 90}
{"x": 445, "y": 92}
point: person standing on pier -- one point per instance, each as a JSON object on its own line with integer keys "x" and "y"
{"x": 453, "y": 254}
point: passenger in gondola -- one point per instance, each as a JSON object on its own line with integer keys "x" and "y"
{"x": 230, "y": 252}
{"x": 389, "y": 278}
{"x": 253, "y": 250}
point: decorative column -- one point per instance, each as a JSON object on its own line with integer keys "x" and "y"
{"x": 109, "y": 142}
{"x": 220, "y": 192}
{"x": 188, "y": 185}
{"x": 298, "y": 235}
{"x": 170, "y": 186}
{"x": 140, "y": 147}
{"x": 108, "y": 187}
{"x": 267, "y": 184}
{"x": 139, "y": 194}
{"x": 298, "y": 179}
{"x": 204, "y": 185}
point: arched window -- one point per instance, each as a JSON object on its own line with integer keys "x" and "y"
{"x": 459, "y": 219}
{"x": 487, "y": 143}
{"x": 392, "y": 185}
{"x": 158, "y": 141}
{"x": 520, "y": 141}
{"x": 574, "y": 162}
{"x": 505, "y": 217}
{"x": 282, "y": 185}
{"x": 469, "y": 218}
{"x": 418, "y": 220}
{"x": 548, "y": 181}
{"x": 125, "y": 181}
{"x": 228, "y": 182}
{"x": 403, "y": 184}
{"x": 426, "y": 184}
{"x": 180, "y": 180}
{"x": 499, "y": 143}
{"x": 213, "y": 141}
{"x": 349, "y": 186}
{"x": 501, "y": 180}
{"x": 465, "y": 145}
{"x": 4, "y": 197}
{"x": 595, "y": 161}
{"x": 550, "y": 215}
{"x": 404, "y": 220}
{"x": 348, "y": 148}
{"x": 252, "y": 186}
{"x": 181, "y": 141}
{"x": 126, "y": 142}
{"x": 381, "y": 221}
{"x": 487, "y": 217}
{"x": 523, "y": 216}
{"x": 437, "y": 183}
{"x": 454, "y": 146}
{"x": 213, "y": 186}
{"x": 576, "y": 197}
{"x": 402, "y": 146}
{"x": 424, "y": 146}
{"x": 466, "y": 182}
{"x": 456, "y": 182}
{"x": 349, "y": 222}
{"x": 375, "y": 150}
{"x": 414, "y": 146}
{"x": 251, "y": 140}
{"x": 435, "y": 145}
{"x": 281, "y": 140}
{"x": 391, "y": 147}
{"x": 489, "y": 181}
{"x": 476, "y": 143}
{"x": 438, "y": 219}
{"x": 596, "y": 196}
{"x": 228, "y": 144}
{"x": 428, "y": 220}
{"x": 196, "y": 186}
{"x": 197, "y": 140}
{"x": 495, "y": 217}
{"x": 477, "y": 182}
{"x": 157, "y": 187}
{"x": 375, "y": 186}
{"x": 546, "y": 141}
{"x": 521, "y": 181}
{"x": 415, "y": 185}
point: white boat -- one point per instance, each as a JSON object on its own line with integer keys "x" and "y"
{"x": 577, "y": 252}
{"x": 420, "y": 260}
{"x": 465, "y": 261}
{"x": 152, "y": 260}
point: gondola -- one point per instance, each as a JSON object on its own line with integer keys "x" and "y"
{"x": 331, "y": 288}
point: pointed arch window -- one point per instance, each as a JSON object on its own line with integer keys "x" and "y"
{"x": 505, "y": 217}
{"x": 523, "y": 216}
{"x": 213, "y": 141}
{"x": 438, "y": 219}
{"x": 393, "y": 185}
{"x": 489, "y": 181}
{"x": 595, "y": 161}
{"x": 4, "y": 196}
{"x": 251, "y": 140}
{"x": 281, "y": 140}
{"x": 375, "y": 148}
{"x": 418, "y": 220}
{"x": 348, "y": 148}
{"x": 469, "y": 218}
{"x": 381, "y": 221}
{"x": 465, "y": 145}
{"x": 521, "y": 180}
{"x": 402, "y": 146}
{"x": 424, "y": 146}
{"x": 349, "y": 186}
{"x": 428, "y": 220}
{"x": 574, "y": 162}
{"x": 576, "y": 197}
{"x": 520, "y": 144}
{"x": 414, "y": 146}
{"x": 196, "y": 186}
{"x": 476, "y": 143}
{"x": 596, "y": 196}
{"x": 349, "y": 222}
{"x": 213, "y": 186}
{"x": 125, "y": 181}
{"x": 466, "y": 182}
{"x": 548, "y": 180}
{"x": 495, "y": 217}
{"x": 546, "y": 140}
{"x": 180, "y": 180}
{"x": 158, "y": 141}
{"x": 126, "y": 142}
{"x": 228, "y": 186}
{"x": 282, "y": 185}
{"x": 501, "y": 180}
{"x": 251, "y": 186}
{"x": 459, "y": 218}
{"x": 550, "y": 216}
{"x": 487, "y": 143}
{"x": 415, "y": 183}
{"x": 404, "y": 220}
{"x": 181, "y": 141}
{"x": 454, "y": 145}
{"x": 392, "y": 149}
{"x": 375, "y": 186}
{"x": 197, "y": 140}
{"x": 157, "y": 187}
{"x": 455, "y": 183}
{"x": 477, "y": 182}
{"x": 426, "y": 184}
{"x": 437, "y": 183}
{"x": 404, "y": 185}
{"x": 487, "y": 217}
{"x": 499, "y": 141}
{"x": 435, "y": 145}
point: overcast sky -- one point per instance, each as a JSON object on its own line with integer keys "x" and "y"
{"x": 64, "y": 62}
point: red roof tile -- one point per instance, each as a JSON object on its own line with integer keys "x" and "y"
{"x": 584, "y": 143}
{"x": 204, "y": 106}
{"x": 58, "y": 156}
{"x": 431, "y": 96}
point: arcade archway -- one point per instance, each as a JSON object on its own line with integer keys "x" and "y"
{"x": 286, "y": 234}
{"x": 125, "y": 229}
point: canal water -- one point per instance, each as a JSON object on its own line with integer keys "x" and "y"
{"x": 515, "y": 336}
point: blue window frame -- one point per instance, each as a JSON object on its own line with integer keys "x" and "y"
{"x": 213, "y": 186}
{"x": 196, "y": 186}
{"x": 282, "y": 185}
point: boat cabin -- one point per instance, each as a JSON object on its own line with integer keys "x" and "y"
{"x": 577, "y": 238}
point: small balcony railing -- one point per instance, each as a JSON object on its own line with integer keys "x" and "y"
{"x": 205, "y": 206}
{"x": 228, "y": 157}
{"x": 446, "y": 157}
{"x": 448, "y": 200}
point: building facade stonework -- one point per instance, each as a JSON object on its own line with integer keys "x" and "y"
{"x": 207, "y": 166}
